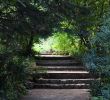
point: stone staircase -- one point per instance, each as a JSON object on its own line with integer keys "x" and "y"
{"x": 61, "y": 72}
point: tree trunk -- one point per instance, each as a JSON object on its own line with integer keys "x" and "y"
{"x": 29, "y": 46}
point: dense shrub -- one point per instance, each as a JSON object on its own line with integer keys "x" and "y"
{"x": 14, "y": 68}
{"x": 98, "y": 59}
{"x": 66, "y": 44}
{"x": 13, "y": 74}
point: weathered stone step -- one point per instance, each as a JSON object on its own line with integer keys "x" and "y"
{"x": 54, "y": 57}
{"x": 58, "y": 63}
{"x": 69, "y": 72}
{"x": 61, "y": 72}
{"x": 61, "y": 86}
{"x": 63, "y": 75}
{"x": 57, "y": 94}
{"x": 62, "y": 68}
{"x": 63, "y": 81}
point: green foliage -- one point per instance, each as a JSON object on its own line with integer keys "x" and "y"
{"x": 98, "y": 98}
{"x": 98, "y": 58}
{"x": 67, "y": 44}
{"x": 14, "y": 68}
{"x": 44, "y": 45}
{"x": 21, "y": 20}
{"x": 95, "y": 88}
{"x": 13, "y": 75}
{"x": 61, "y": 43}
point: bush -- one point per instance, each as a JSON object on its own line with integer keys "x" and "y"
{"x": 13, "y": 74}
{"x": 65, "y": 43}
{"x": 98, "y": 59}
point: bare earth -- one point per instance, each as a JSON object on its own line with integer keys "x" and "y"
{"x": 57, "y": 94}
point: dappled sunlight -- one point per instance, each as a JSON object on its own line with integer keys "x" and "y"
{"x": 60, "y": 43}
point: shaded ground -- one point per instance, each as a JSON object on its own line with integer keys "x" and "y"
{"x": 57, "y": 94}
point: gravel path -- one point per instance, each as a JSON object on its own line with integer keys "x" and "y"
{"x": 57, "y": 94}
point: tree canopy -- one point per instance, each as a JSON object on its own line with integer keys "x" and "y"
{"x": 26, "y": 18}
{"x": 21, "y": 21}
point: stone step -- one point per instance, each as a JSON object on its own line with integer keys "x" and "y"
{"x": 68, "y": 72}
{"x": 58, "y": 94}
{"x": 54, "y": 60}
{"x": 63, "y": 81}
{"x": 62, "y": 68}
{"x": 57, "y": 63}
{"x": 54, "y": 57}
{"x": 63, "y": 75}
{"x": 61, "y": 86}
{"x": 61, "y": 72}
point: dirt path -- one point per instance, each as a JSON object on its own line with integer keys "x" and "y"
{"x": 57, "y": 94}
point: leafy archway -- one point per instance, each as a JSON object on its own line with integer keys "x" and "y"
{"x": 22, "y": 20}
{"x": 60, "y": 43}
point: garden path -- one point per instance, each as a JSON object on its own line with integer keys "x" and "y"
{"x": 57, "y": 94}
